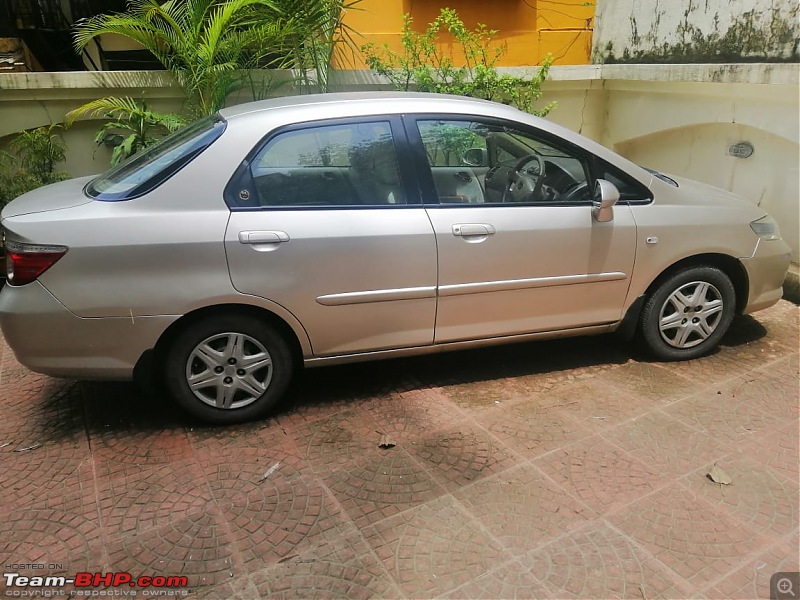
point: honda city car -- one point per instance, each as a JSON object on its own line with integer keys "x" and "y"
{"x": 317, "y": 230}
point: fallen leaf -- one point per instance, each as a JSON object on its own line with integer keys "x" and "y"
{"x": 386, "y": 442}
{"x": 33, "y": 446}
{"x": 718, "y": 475}
{"x": 270, "y": 471}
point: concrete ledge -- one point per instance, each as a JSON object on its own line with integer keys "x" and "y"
{"x": 745, "y": 73}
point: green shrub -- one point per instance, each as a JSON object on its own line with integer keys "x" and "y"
{"x": 423, "y": 67}
{"x": 132, "y": 126}
{"x": 31, "y": 162}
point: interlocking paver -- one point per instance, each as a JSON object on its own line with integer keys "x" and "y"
{"x": 647, "y": 383}
{"x": 345, "y": 568}
{"x": 488, "y": 394}
{"x": 198, "y": 547}
{"x": 534, "y": 427}
{"x": 762, "y": 498}
{"x": 142, "y": 498}
{"x": 511, "y": 580}
{"x": 696, "y": 539}
{"x": 434, "y": 548}
{"x": 665, "y": 443}
{"x": 522, "y": 509}
{"x": 597, "y": 561}
{"x": 568, "y": 468}
{"x": 239, "y": 588}
{"x": 67, "y": 541}
{"x": 597, "y": 404}
{"x": 736, "y": 410}
{"x": 336, "y": 441}
{"x": 461, "y": 454}
{"x": 412, "y": 415}
{"x": 381, "y": 484}
{"x": 25, "y": 477}
{"x": 752, "y": 580}
{"x": 271, "y": 509}
{"x": 776, "y": 449}
{"x": 601, "y": 475}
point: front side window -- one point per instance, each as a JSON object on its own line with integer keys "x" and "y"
{"x": 630, "y": 190}
{"x": 478, "y": 163}
{"x": 151, "y": 167}
{"x": 351, "y": 164}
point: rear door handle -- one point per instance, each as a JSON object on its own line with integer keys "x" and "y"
{"x": 263, "y": 237}
{"x": 472, "y": 229}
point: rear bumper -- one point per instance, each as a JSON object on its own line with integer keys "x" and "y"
{"x": 49, "y": 339}
{"x": 766, "y": 271}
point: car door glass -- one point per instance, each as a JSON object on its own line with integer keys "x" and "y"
{"x": 516, "y": 166}
{"x": 352, "y": 164}
{"x": 629, "y": 189}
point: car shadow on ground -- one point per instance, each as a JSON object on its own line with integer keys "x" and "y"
{"x": 95, "y": 408}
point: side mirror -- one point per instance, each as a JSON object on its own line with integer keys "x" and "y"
{"x": 475, "y": 157}
{"x": 606, "y": 196}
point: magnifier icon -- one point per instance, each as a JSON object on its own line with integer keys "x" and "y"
{"x": 784, "y": 586}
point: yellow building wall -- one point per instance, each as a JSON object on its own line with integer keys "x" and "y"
{"x": 530, "y": 29}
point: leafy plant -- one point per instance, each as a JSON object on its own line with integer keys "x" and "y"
{"x": 207, "y": 45}
{"x": 31, "y": 162}
{"x": 319, "y": 33}
{"x": 133, "y": 126}
{"x": 422, "y": 65}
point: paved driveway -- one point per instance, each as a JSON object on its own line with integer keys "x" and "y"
{"x": 556, "y": 469}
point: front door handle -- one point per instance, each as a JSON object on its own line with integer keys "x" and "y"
{"x": 263, "y": 237}
{"x": 472, "y": 229}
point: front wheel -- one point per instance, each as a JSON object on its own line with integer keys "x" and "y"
{"x": 228, "y": 369}
{"x": 687, "y": 315}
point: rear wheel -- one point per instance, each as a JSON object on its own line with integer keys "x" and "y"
{"x": 228, "y": 369}
{"x": 687, "y": 315}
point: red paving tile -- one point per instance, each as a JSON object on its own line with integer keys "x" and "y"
{"x": 598, "y": 561}
{"x": 696, "y": 539}
{"x": 565, "y": 469}
{"x": 522, "y": 509}
{"x": 599, "y": 474}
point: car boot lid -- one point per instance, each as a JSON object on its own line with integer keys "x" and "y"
{"x": 56, "y": 196}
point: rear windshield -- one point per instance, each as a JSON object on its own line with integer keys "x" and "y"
{"x": 150, "y": 168}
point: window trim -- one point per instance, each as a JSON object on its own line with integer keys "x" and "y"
{"x": 428, "y": 186}
{"x": 598, "y": 165}
{"x": 407, "y": 173}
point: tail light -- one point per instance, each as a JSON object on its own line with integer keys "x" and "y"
{"x": 26, "y": 262}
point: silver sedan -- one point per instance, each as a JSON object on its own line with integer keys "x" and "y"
{"x": 324, "y": 229}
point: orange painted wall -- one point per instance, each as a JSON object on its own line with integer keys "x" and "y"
{"x": 530, "y": 28}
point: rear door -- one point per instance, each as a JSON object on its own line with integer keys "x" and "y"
{"x": 326, "y": 221}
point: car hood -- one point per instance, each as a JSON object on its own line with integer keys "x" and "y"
{"x": 64, "y": 194}
{"x": 709, "y": 195}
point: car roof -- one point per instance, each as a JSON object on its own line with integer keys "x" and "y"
{"x": 418, "y": 100}
{"x": 311, "y": 107}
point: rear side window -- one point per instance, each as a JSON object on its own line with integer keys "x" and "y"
{"x": 348, "y": 164}
{"x": 153, "y": 166}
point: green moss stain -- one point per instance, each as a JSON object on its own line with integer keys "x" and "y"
{"x": 752, "y": 37}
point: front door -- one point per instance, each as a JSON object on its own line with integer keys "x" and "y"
{"x": 520, "y": 252}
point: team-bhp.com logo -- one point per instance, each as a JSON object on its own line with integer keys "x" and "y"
{"x": 94, "y": 584}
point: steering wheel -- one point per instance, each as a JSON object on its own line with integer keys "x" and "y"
{"x": 576, "y": 192}
{"x": 525, "y": 181}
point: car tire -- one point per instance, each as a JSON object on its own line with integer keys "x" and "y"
{"x": 688, "y": 313}
{"x": 228, "y": 369}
